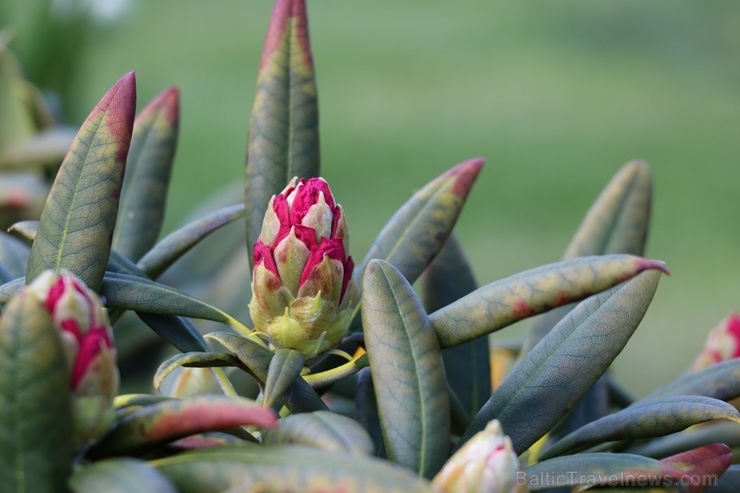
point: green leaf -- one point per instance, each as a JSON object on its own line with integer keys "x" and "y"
{"x": 285, "y": 367}
{"x": 407, "y": 369}
{"x": 617, "y": 222}
{"x": 11, "y": 288}
{"x": 414, "y": 235}
{"x": 528, "y": 293}
{"x": 177, "y": 243}
{"x": 599, "y": 469}
{"x": 540, "y": 390}
{"x": 323, "y": 430}
{"x": 718, "y": 431}
{"x": 645, "y": 420}
{"x": 194, "y": 359}
{"x": 286, "y": 468}
{"x": 122, "y": 475}
{"x": 135, "y": 293}
{"x": 178, "y": 331}
{"x": 169, "y": 420}
{"x": 367, "y": 410}
{"x": 720, "y": 381}
{"x": 144, "y": 193}
{"x": 468, "y": 368}
{"x": 78, "y": 219}
{"x": 299, "y": 398}
{"x": 13, "y": 256}
{"x": 283, "y": 139}
{"x": 35, "y": 408}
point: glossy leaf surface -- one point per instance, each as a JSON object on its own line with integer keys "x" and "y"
{"x": 407, "y": 370}
{"x": 36, "y": 430}
{"x": 646, "y": 420}
{"x": 123, "y": 475}
{"x": 544, "y": 386}
{"x": 414, "y": 235}
{"x": 148, "y": 167}
{"x": 447, "y": 279}
{"x": 522, "y": 295}
{"x": 177, "y": 418}
{"x": 286, "y": 468}
{"x": 283, "y": 139}
{"x": 323, "y": 430}
{"x": 78, "y": 219}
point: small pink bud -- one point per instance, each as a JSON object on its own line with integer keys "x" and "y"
{"x": 301, "y": 282}
{"x": 722, "y": 343}
{"x": 486, "y": 462}
{"x": 91, "y": 354}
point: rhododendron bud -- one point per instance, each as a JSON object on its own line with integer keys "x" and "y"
{"x": 485, "y": 463}
{"x": 302, "y": 290}
{"x": 91, "y": 355}
{"x": 723, "y": 343}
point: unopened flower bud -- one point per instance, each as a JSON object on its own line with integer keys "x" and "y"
{"x": 91, "y": 354}
{"x": 485, "y": 463}
{"x": 302, "y": 291}
{"x": 723, "y": 343}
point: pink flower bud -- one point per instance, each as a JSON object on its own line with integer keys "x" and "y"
{"x": 301, "y": 283}
{"x": 91, "y": 354}
{"x": 486, "y": 462}
{"x": 723, "y": 343}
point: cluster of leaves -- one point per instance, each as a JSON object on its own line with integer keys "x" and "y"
{"x": 407, "y": 386}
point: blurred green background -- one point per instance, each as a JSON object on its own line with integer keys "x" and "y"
{"x": 555, "y": 95}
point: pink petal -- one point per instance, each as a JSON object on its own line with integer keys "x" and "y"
{"x": 263, "y": 253}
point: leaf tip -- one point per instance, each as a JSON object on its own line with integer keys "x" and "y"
{"x": 642, "y": 264}
{"x": 465, "y": 174}
{"x": 285, "y": 13}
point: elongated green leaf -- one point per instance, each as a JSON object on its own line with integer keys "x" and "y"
{"x": 718, "y": 431}
{"x": 299, "y": 398}
{"x": 601, "y": 469}
{"x": 522, "y": 295}
{"x": 367, "y": 410}
{"x": 702, "y": 466}
{"x": 78, "y": 219}
{"x": 148, "y": 168}
{"x": 142, "y": 295}
{"x": 284, "y": 126}
{"x": 177, "y": 243}
{"x": 122, "y": 475}
{"x": 36, "y": 429}
{"x": 13, "y": 256}
{"x": 11, "y": 288}
{"x": 194, "y": 359}
{"x": 646, "y": 420}
{"x": 541, "y": 389}
{"x": 617, "y": 222}
{"x": 467, "y": 366}
{"x": 323, "y": 430}
{"x": 407, "y": 369}
{"x": 177, "y": 418}
{"x": 178, "y": 331}
{"x": 285, "y": 367}
{"x": 286, "y": 468}
{"x": 416, "y": 233}
{"x": 720, "y": 381}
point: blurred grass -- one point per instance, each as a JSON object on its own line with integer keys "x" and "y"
{"x": 556, "y": 96}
